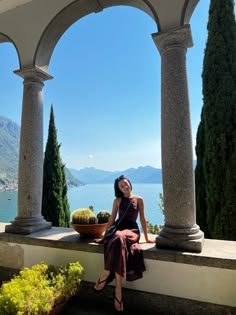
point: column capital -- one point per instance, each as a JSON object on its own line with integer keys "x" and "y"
{"x": 176, "y": 37}
{"x": 33, "y": 73}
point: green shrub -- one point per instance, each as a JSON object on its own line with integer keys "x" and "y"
{"x": 38, "y": 289}
{"x": 153, "y": 229}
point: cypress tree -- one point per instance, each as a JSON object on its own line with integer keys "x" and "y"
{"x": 200, "y": 181}
{"x": 65, "y": 215}
{"x": 216, "y": 141}
{"x": 55, "y": 205}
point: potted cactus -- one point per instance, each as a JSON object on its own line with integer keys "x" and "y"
{"x": 87, "y": 224}
{"x": 103, "y": 216}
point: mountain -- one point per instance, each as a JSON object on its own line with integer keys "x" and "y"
{"x": 89, "y": 175}
{"x": 142, "y": 174}
{"x": 9, "y": 153}
{"x": 9, "y": 150}
{"x": 72, "y": 181}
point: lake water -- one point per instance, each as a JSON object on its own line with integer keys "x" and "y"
{"x": 98, "y": 196}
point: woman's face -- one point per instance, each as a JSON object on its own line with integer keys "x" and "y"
{"x": 124, "y": 186}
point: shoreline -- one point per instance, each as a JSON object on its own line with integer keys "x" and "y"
{"x": 8, "y": 187}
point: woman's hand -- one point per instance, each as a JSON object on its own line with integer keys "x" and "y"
{"x": 150, "y": 241}
{"x": 98, "y": 240}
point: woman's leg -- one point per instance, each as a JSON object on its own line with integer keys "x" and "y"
{"x": 102, "y": 281}
{"x": 118, "y": 303}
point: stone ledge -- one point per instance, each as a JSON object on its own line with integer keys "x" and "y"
{"x": 215, "y": 253}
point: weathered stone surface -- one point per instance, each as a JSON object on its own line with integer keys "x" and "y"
{"x": 11, "y": 256}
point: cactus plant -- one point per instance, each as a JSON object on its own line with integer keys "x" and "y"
{"x": 87, "y": 224}
{"x": 93, "y": 220}
{"x": 103, "y": 216}
{"x": 82, "y": 216}
{"x": 91, "y": 208}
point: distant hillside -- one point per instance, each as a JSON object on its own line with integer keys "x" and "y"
{"x": 142, "y": 174}
{"x": 72, "y": 181}
{"x": 9, "y": 153}
{"x": 90, "y": 175}
{"x": 9, "y": 149}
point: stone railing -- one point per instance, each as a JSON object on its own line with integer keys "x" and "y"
{"x": 203, "y": 282}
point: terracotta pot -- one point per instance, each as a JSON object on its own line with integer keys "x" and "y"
{"x": 90, "y": 230}
{"x": 56, "y": 310}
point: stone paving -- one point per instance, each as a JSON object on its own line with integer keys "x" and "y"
{"x": 90, "y": 302}
{"x": 99, "y": 304}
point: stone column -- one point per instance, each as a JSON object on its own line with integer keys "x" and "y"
{"x": 180, "y": 230}
{"x": 30, "y": 173}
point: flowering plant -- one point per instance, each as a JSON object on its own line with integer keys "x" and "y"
{"x": 38, "y": 289}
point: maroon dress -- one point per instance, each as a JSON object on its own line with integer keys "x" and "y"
{"x": 123, "y": 253}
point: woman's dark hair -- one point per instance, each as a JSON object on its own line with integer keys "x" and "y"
{"x": 118, "y": 192}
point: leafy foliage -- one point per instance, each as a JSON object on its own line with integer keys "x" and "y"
{"x": 152, "y": 228}
{"x": 38, "y": 289}
{"x": 55, "y": 205}
{"x": 64, "y": 215}
{"x": 200, "y": 183}
{"x": 216, "y": 138}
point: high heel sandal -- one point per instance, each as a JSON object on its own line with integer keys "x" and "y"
{"x": 120, "y": 304}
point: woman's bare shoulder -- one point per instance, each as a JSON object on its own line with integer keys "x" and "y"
{"x": 116, "y": 202}
{"x": 139, "y": 198}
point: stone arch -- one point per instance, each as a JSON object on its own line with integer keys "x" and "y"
{"x": 69, "y": 15}
{"x": 172, "y": 40}
{"x": 6, "y": 39}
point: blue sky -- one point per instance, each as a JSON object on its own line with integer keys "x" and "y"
{"x": 106, "y": 88}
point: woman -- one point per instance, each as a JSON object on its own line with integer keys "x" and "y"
{"x": 123, "y": 257}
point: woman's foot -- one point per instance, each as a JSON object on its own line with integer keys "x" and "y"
{"x": 118, "y": 303}
{"x": 102, "y": 282}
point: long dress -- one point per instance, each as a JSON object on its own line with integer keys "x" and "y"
{"x": 123, "y": 253}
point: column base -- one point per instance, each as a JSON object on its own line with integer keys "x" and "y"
{"x": 27, "y": 225}
{"x": 184, "y": 239}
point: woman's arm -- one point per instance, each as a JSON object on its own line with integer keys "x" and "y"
{"x": 115, "y": 208}
{"x": 143, "y": 220}
{"x": 112, "y": 218}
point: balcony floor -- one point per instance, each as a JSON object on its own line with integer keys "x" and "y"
{"x": 89, "y": 302}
